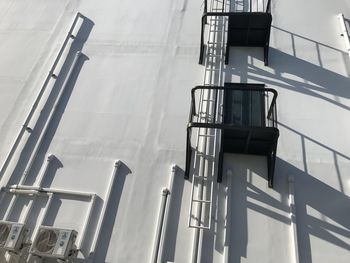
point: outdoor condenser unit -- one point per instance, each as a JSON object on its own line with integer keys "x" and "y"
{"x": 53, "y": 242}
{"x": 12, "y": 236}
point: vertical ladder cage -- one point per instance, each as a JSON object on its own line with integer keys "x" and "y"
{"x": 205, "y": 166}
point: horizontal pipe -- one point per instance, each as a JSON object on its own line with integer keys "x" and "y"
{"x": 37, "y": 99}
{"x": 38, "y": 189}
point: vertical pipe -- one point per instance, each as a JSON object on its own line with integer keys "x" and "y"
{"x": 344, "y": 32}
{"x": 87, "y": 221}
{"x": 167, "y": 211}
{"x": 30, "y": 204}
{"x": 41, "y": 177}
{"x": 104, "y": 208}
{"x": 228, "y": 217}
{"x": 165, "y": 193}
{"x": 293, "y": 222}
{"x": 45, "y": 129}
{"x": 48, "y": 122}
{"x": 38, "y": 98}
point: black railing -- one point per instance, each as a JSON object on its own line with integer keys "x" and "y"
{"x": 251, "y": 40}
{"x": 257, "y": 114}
{"x": 267, "y": 10}
{"x": 265, "y": 93}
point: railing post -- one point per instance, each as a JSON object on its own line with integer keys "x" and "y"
{"x": 268, "y": 7}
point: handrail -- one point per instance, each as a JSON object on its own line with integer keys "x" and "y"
{"x": 39, "y": 96}
{"x": 204, "y": 19}
{"x": 246, "y": 88}
{"x": 268, "y": 7}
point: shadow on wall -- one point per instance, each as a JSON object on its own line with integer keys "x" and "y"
{"x": 103, "y": 243}
{"x": 170, "y": 237}
{"x": 321, "y": 211}
{"x": 314, "y": 78}
{"x": 77, "y": 45}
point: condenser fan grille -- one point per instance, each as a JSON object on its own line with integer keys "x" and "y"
{"x": 46, "y": 241}
{"x": 4, "y": 233}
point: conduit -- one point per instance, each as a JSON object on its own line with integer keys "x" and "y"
{"x": 46, "y": 126}
{"x": 293, "y": 222}
{"x": 344, "y": 32}
{"x": 50, "y": 75}
{"x": 228, "y": 218}
{"x": 30, "y": 205}
{"x": 48, "y": 122}
{"x": 104, "y": 208}
{"x": 162, "y": 220}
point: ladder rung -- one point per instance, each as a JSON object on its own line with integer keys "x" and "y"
{"x": 206, "y": 155}
{"x": 203, "y": 178}
{"x": 213, "y": 43}
{"x": 200, "y": 227}
{"x": 206, "y": 135}
{"x": 207, "y": 100}
{"x": 213, "y": 69}
{"x": 216, "y": 31}
{"x": 201, "y": 201}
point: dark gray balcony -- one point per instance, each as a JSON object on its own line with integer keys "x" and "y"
{"x": 246, "y": 29}
{"x": 247, "y": 120}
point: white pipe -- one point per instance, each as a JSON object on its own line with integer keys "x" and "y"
{"x": 38, "y": 98}
{"x": 293, "y": 222}
{"x": 174, "y": 168}
{"x": 45, "y": 129}
{"x": 163, "y": 203}
{"x": 344, "y": 32}
{"x": 17, "y": 188}
{"x": 41, "y": 178}
{"x": 30, "y": 205}
{"x": 104, "y": 208}
{"x": 48, "y": 122}
{"x": 31, "y": 257}
{"x": 228, "y": 217}
{"x": 87, "y": 221}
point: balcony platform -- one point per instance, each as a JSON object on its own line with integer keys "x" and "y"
{"x": 248, "y": 123}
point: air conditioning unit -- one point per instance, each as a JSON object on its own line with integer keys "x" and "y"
{"x": 12, "y": 236}
{"x": 53, "y": 242}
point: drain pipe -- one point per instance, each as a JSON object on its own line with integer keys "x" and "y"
{"x": 165, "y": 193}
{"x": 174, "y": 168}
{"x": 344, "y": 32}
{"x": 163, "y": 219}
{"x": 293, "y": 221}
{"x": 104, "y": 208}
{"x": 38, "y": 97}
{"x": 45, "y": 129}
{"x": 228, "y": 217}
{"x": 48, "y": 122}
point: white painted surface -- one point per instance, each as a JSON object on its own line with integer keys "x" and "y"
{"x": 129, "y": 100}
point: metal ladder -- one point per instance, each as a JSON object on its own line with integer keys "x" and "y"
{"x": 203, "y": 181}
